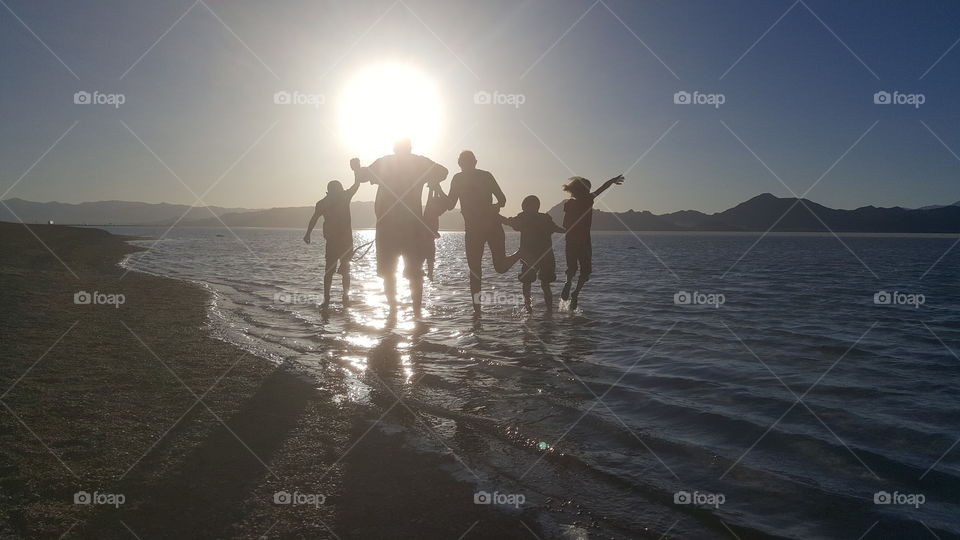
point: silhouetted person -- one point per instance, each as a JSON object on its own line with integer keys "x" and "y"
{"x": 577, "y": 220}
{"x": 536, "y": 249}
{"x": 435, "y": 207}
{"x": 475, "y": 189}
{"x": 338, "y": 236}
{"x": 401, "y": 231}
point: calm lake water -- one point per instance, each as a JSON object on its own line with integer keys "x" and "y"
{"x": 776, "y": 389}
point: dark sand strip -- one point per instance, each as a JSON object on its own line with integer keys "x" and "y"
{"x": 111, "y": 406}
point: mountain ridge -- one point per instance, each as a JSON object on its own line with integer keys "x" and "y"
{"x": 760, "y": 213}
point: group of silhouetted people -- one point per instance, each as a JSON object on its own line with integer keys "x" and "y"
{"x": 407, "y": 229}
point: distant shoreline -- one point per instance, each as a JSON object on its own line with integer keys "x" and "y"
{"x": 597, "y": 231}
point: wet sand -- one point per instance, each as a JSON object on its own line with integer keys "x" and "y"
{"x": 197, "y": 436}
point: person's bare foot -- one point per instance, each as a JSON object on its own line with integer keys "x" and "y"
{"x": 565, "y": 293}
{"x": 325, "y": 304}
{"x": 529, "y": 307}
{"x": 346, "y": 300}
{"x": 573, "y": 301}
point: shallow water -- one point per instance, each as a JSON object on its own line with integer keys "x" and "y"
{"x": 783, "y": 410}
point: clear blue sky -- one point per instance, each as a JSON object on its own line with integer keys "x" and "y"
{"x": 595, "y": 98}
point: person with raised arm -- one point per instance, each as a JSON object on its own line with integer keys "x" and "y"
{"x": 401, "y": 231}
{"x": 577, "y": 220}
{"x": 337, "y": 234}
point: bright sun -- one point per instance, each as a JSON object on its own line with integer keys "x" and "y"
{"x": 387, "y": 102}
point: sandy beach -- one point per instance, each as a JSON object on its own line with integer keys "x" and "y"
{"x": 130, "y": 419}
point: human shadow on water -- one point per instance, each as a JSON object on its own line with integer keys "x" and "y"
{"x": 401, "y": 466}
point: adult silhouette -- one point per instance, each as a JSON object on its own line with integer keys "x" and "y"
{"x": 401, "y": 231}
{"x": 475, "y": 189}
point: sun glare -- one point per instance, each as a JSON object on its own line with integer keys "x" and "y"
{"x": 387, "y": 102}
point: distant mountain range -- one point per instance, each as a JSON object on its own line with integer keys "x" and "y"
{"x": 760, "y": 213}
{"x": 108, "y": 212}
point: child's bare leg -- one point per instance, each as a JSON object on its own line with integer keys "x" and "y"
{"x": 575, "y": 296}
{"x": 527, "y": 303}
{"x": 327, "y": 283}
{"x": 547, "y": 295}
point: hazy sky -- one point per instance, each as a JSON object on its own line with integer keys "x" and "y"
{"x": 597, "y": 80}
